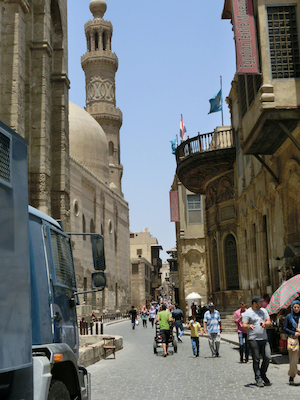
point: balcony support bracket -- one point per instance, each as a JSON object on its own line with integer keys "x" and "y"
{"x": 267, "y": 167}
{"x": 289, "y": 134}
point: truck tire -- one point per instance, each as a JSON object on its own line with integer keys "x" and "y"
{"x": 58, "y": 391}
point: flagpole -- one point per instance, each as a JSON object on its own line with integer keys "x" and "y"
{"x": 222, "y": 99}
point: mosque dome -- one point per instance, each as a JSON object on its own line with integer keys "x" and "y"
{"x": 98, "y": 8}
{"x": 88, "y": 142}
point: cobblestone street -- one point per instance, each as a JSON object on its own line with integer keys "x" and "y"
{"x": 137, "y": 373}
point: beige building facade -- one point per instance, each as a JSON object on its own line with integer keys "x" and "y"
{"x": 74, "y": 162}
{"x": 190, "y": 239}
{"x": 265, "y": 118}
{"x": 251, "y": 178}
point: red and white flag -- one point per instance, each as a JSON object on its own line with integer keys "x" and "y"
{"x": 182, "y": 128}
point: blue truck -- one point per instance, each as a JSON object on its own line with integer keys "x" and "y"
{"x": 39, "y": 340}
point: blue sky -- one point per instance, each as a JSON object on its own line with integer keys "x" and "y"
{"x": 171, "y": 56}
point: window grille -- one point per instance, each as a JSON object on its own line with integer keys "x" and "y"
{"x": 283, "y": 42}
{"x": 232, "y": 271}
{"x": 248, "y": 85}
{"x": 135, "y": 269}
{"x": 4, "y": 158}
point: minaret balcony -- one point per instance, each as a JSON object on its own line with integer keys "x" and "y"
{"x": 204, "y": 157}
{"x": 99, "y": 56}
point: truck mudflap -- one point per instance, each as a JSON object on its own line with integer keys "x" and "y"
{"x": 41, "y": 377}
{"x": 85, "y": 383}
{"x": 57, "y": 361}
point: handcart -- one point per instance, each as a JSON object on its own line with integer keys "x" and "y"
{"x": 158, "y": 339}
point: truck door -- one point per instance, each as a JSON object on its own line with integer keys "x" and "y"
{"x": 62, "y": 276}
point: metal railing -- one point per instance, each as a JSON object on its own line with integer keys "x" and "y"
{"x": 95, "y": 327}
{"x": 219, "y": 139}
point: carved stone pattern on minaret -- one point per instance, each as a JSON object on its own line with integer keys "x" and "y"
{"x": 100, "y": 89}
{"x": 21, "y": 92}
{"x": 42, "y": 183}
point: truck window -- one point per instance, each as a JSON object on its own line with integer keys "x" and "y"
{"x": 62, "y": 260}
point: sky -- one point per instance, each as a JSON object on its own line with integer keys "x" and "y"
{"x": 171, "y": 55}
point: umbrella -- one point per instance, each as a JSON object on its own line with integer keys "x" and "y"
{"x": 193, "y": 296}
{"x": 284, "y": 295}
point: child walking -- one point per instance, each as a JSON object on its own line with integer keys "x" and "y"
{"x": 194, "y": 326}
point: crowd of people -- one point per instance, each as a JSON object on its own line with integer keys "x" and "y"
{"x": 253, "y": 328}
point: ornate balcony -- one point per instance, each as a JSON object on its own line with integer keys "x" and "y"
{"x": 204, "y": 157}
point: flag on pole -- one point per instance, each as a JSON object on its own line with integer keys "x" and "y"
{"x": 216, "y": 102}
{"x": 174, "y": 145}
{"x": 182, "y": 128}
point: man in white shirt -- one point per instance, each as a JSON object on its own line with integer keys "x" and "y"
{"x": 255, "y": 321}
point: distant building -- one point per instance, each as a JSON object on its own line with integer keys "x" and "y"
{"x": 173, "y": 268}
{"x": 165, "y": 282}
{"x": 145, "y": 267}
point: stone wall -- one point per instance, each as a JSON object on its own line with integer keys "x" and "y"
{"x": 91, "y": 349}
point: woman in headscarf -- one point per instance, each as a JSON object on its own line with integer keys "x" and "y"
{"x": 144, "y": 316}
{"x": 291, "y": 327}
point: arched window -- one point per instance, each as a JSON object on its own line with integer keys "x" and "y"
{"x": 216, "y": 268}
{"x": 116, "y": 242}
{"x": 111, "y": 152}
{"x": 104, "y": 40}
{"x": 96, "y": 41}
{"x": 231, "y": 264}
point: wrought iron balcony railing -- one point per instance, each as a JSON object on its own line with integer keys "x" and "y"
{"x": 217, "y": 140}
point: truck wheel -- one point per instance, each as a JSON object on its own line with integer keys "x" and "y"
{"x": 58, "y": 391}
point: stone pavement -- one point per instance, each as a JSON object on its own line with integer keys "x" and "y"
{"x": 139, "y": 374}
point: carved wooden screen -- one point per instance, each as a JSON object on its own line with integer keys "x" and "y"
{"x": 216, "y": 268}
{"x": 231, "y": 264}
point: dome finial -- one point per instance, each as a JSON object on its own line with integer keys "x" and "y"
{"x": 98, "y": 8}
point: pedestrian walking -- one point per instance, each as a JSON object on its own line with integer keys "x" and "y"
{"x": 164, "y": 318}
{"x": 195, "y": 327}
{"x": 178, "y": 317}
{"x": 133, "y": 314}
{"x": 242, "y": 333}
{"x": 213, "y": 328}
{"x": 292, "y": 328}
{"x": 144, "y": 314}
{"x": 255, "y": 321}
{"x": 152, "y": 315}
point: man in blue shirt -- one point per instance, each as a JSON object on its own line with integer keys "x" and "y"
{"x": 213, "y": 328}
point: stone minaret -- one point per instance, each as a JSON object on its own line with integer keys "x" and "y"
{"x": 100, "y": 66}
